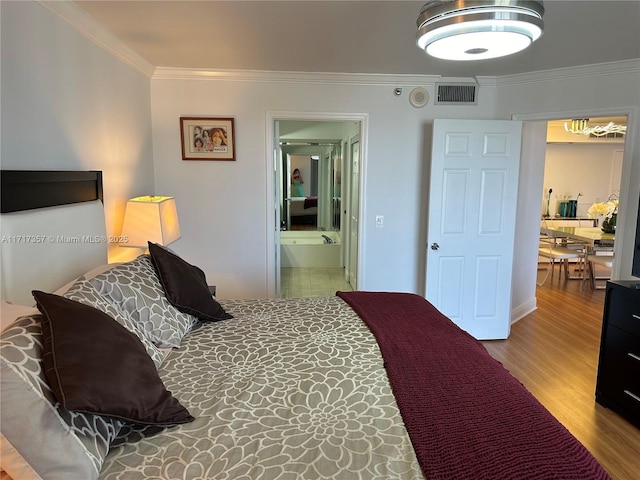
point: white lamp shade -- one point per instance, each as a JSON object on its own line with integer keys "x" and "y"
{"x": 150, "y": 219}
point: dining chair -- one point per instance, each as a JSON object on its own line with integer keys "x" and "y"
{"x": 555, "y": 252}
{"x": 599, "y": 259}
{"x": 564, "y": 248}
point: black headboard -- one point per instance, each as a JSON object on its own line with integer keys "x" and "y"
{"x": 29, "y": 189}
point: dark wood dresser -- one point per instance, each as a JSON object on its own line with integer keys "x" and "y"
{"x": 618, "y": 382}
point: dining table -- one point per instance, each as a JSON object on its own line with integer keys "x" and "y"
{"x": 591, "y": 236}
{"x": 598, "y": 247}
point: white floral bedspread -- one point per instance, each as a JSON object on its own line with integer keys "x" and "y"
{"x": 288, "y": 389}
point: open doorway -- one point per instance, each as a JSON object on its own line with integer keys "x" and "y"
{"x": 582, "y": 176}
{"x": 531, "y": 189}
{"x": 585, "y": 168}
{"x": 316, "y": 245}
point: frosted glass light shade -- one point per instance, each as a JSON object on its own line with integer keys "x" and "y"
{"x": 478, "y": 30}
{"x": 150, "y": 218}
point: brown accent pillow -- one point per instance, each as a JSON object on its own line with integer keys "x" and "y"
{"x": 185, "y": 285}
{"x": 95, "y": 365}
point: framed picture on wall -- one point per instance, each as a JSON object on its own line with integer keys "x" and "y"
{"x": 207, "y": 138}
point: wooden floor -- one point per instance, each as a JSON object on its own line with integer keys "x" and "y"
{"x": 554, "y": 353}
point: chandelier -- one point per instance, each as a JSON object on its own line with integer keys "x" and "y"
{"x": 477, "y": 29}
{"x": 581, "y": 125}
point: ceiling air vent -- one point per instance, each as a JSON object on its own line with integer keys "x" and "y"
{"x": 456, "y": 94}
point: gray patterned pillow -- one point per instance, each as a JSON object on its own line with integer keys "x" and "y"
{"x": 134, "y": 288}
{"x": 53, "y": 441}
{"x": 84, "y": 292}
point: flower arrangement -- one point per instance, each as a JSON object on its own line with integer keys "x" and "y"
{"x": 608, "y": 210}
{"x": 605, "y": 209}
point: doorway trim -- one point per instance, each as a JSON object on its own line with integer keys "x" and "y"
{"x": 631, "y": 113}
{"x": 279, "y": 115}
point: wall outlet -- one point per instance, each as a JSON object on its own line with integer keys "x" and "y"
{"x": 379, "y": 221}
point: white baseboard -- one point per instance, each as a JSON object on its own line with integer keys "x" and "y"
{"x": 523, "y": 310}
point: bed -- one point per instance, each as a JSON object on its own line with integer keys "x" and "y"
{"x": 133, "y": 371}
{"x": 303, "y": 210}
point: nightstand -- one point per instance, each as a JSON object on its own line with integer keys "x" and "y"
{"x": 618, "y": 382}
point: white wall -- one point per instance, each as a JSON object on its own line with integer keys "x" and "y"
{"x": 67, "y": 104}
{"x": 525, "y": 252}
{"x": 223, "y": 205}
{"x": 75, "y": 106}
{"x": 233, "y": 250}
{"x": 574, "y": 93}
{"x": 584, "y": 168}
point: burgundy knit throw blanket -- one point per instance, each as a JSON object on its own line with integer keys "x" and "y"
{"x": 466, "y": 415}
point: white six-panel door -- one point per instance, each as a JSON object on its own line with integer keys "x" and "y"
{"x": 472, "y": 209}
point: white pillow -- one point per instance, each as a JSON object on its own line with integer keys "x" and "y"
{"x": 13, "y": 461}
{"x": 89, "y": 275}
{"x": 11, "y": 312}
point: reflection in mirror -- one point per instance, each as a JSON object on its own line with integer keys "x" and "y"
{"x": 302, "y": 195}
{"x": 311, "y": 186}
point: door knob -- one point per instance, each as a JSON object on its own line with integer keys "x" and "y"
{"x": 435, "y": 246}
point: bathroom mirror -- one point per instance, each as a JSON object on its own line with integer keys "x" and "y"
{"x": 311, "y": 185}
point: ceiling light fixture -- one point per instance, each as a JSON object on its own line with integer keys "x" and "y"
{"x": 478, "y": 30}
{"x": 581, "y": 126}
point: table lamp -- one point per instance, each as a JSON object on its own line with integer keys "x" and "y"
{"x": 150, "y": 219}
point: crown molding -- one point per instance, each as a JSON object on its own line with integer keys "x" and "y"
{"x": 571, "y": 73}
{"x": 398, "y": 80}
{"x": 94, "y": 31}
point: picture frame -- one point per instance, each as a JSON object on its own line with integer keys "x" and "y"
{"x": 208, "y": 138}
